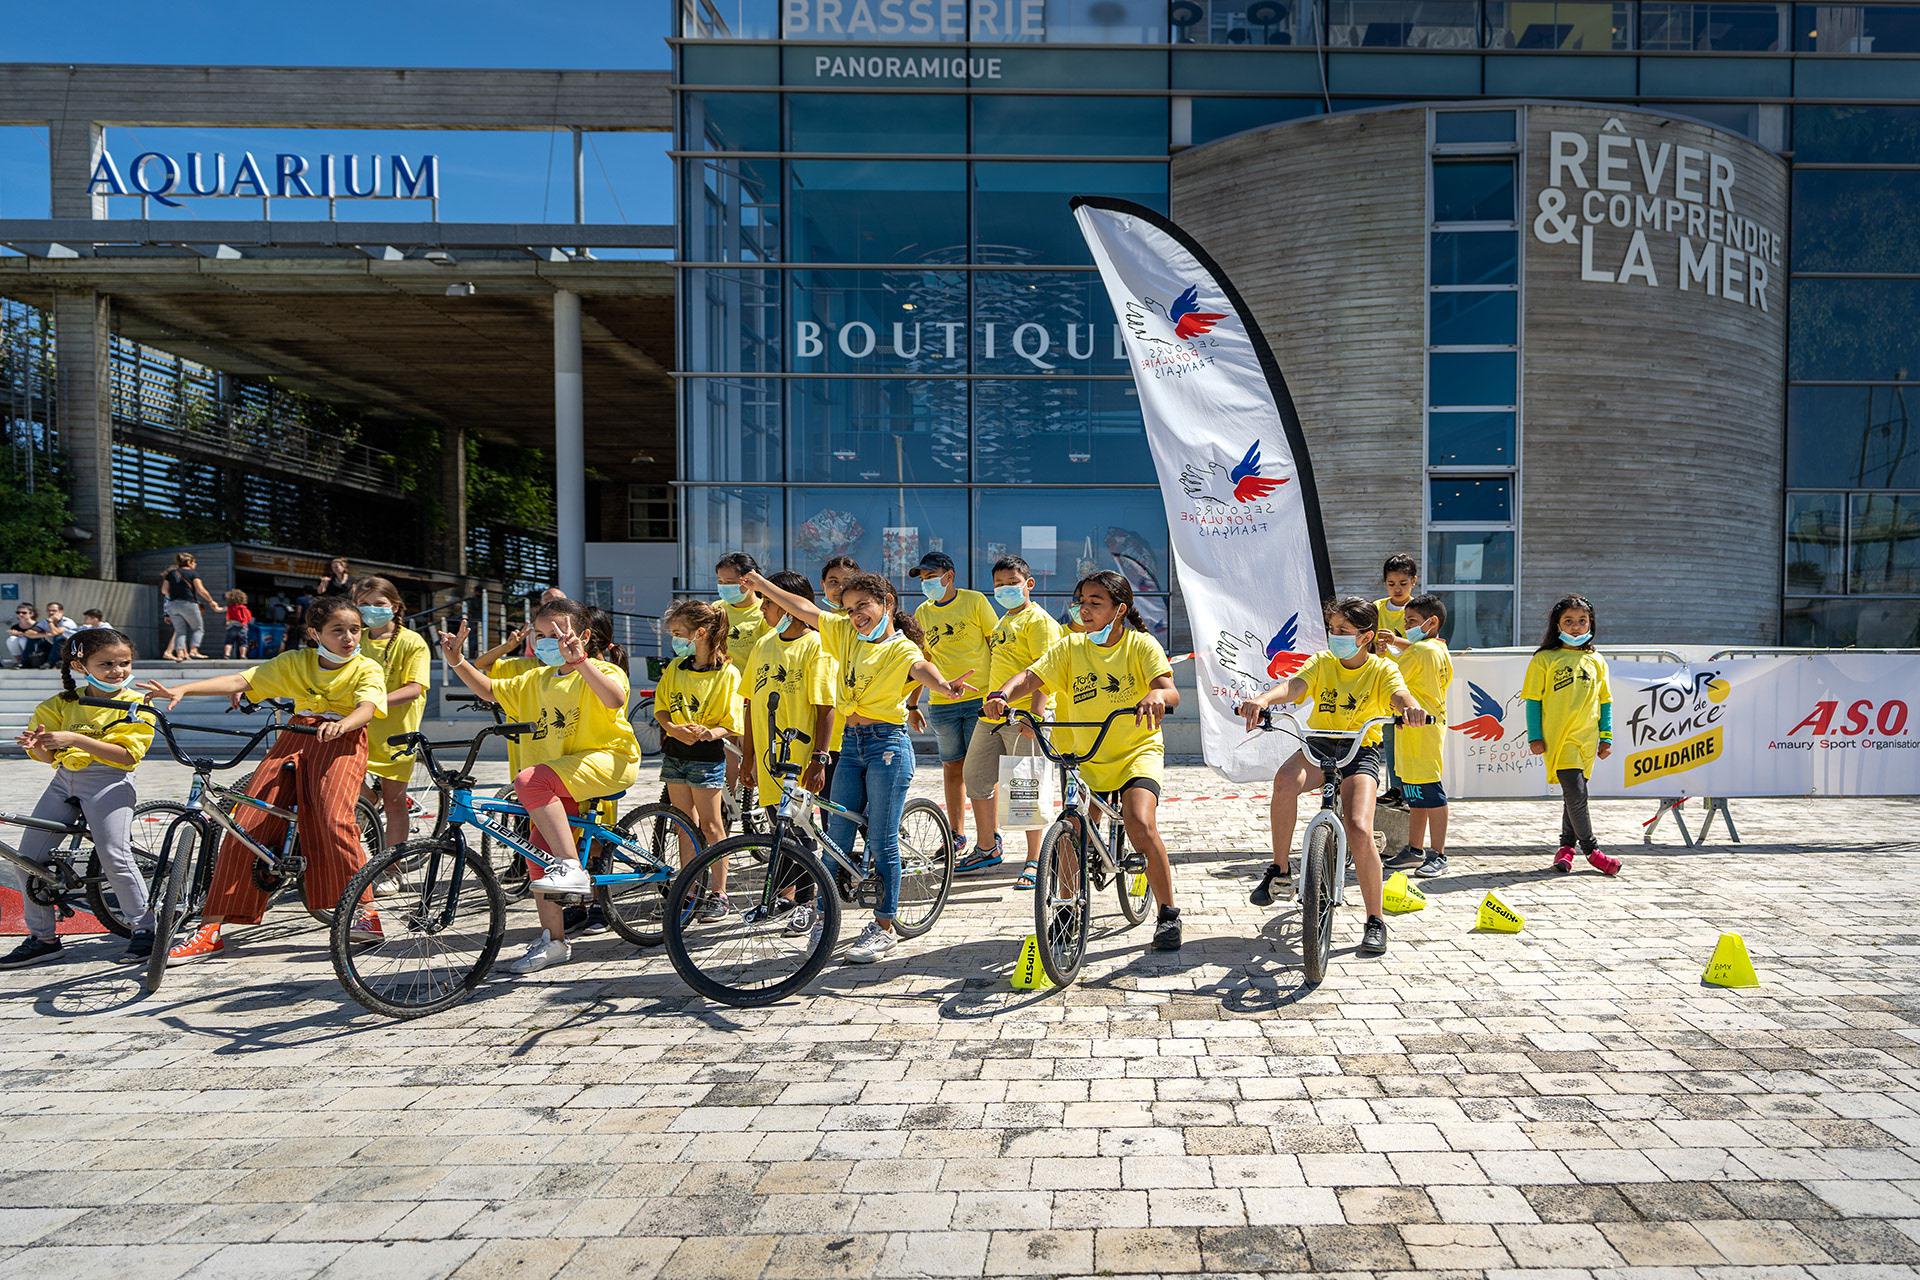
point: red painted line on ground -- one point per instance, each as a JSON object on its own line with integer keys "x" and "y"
{"x": 13, "y": 919}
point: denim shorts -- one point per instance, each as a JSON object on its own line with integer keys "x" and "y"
{"x": 952, "y": 724}
{"x": 711, "y": 774}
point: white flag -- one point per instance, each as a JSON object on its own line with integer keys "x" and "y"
{"x": 1233, "y": 469}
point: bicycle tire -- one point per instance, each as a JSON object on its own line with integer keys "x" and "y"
{"x": 646, "y": 729}
{"x": 1133, "y": 908}
{"x": 791, "y": 958}
{"x": 926, "y": 867}
{"x": 147, "y": 833}
{"x": 1060, "y": 922}
{"x": 372, "y": 824}
{"x": 411, "y": 925}
{"x": 188, "y": 841}
{"x": 638, "y": 912}
{"x": 1317, "y": 893}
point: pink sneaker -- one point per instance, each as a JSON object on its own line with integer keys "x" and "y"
{"x": 1605, "y": 863}
{"x": 1563, "y": 860}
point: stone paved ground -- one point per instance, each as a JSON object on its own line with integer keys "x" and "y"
{"x": 1562, "y": 1103}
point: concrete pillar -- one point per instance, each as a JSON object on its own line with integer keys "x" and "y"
{"x": 450, "y": 540}
{"x": 74, "y": 147}
{"x": 83, "y": 335}
{"x": 569, "y": 446}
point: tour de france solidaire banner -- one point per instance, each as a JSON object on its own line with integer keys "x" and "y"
{"x": 1827, "y": 724}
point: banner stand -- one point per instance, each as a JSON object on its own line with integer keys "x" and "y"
{"x": 1719, "y": 805}
{"x": 1669, "y": 806}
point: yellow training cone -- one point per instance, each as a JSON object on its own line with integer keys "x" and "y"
{"x": 1028, "y": 974}
{"x": 1498, "y": 916}
{"x": 1730, "y": 965}
{"x": 1402, "y": 894}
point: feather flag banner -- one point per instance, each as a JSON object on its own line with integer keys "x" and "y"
{"x": 1242, "y": 512}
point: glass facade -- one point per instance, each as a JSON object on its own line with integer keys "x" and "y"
{"x": 893, "y": 340}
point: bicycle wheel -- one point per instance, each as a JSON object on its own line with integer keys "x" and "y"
{"x": 646, "y": 729}
{"x": 637, "y": 912}
{"x": 1134, "y": 906}
{"x": 149, "y": 830}
{"x": 372, "y": 822}
{"x": 1317, "y": 891}
{"x": 926, "y": 867}
{"x": 441, "y": 935}
{"x": 509, "y": 868}
{"x": 1061, "y": 902}
{"x": 765, "y": 947}
{"x": 742, "y": 812}
{"x": 189, "y": 841}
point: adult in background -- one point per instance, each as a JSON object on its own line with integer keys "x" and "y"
{"x": 184, "y": 591}
{"x": 28, "y": 641}
{"x": 336, "y": 581}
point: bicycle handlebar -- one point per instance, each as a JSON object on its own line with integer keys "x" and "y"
{"x": 418, "y": 744}
{"x": 199, "y": 764}
{"x": 1292, "y": 724}
{"x": 1069, "y": 758}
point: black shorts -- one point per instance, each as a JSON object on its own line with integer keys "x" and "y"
{"x": 1132, "y": 784}
{"x": 1366, "y": 760}
{"x": 1424, "y": 795}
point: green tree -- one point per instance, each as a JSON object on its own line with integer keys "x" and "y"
{"x": 32, "y": 523}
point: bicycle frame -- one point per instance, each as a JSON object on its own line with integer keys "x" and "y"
{"x": 1329, "y": 811}
{"x": 10, "y": 856}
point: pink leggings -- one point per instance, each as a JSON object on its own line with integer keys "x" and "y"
{"x": 538, "y": 785}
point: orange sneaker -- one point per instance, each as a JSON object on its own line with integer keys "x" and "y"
{"x": 206, "y": 941}
{"x": 366, "y": 927}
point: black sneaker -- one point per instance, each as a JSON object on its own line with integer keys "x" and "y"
{"x": 594, "y": 923}
{"x": 30, "y": 951}
{"x": 1262, "y": 895}
{"x": 1166, "y": 937}
{"x": 1408, "y": 855}
{"x": 573, "y": 919}
{"x": 1373, "y": 942}
{"x": 139, "y": 946}
{"x": 1435, "y": 865}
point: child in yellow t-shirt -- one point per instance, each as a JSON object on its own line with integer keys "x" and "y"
{"x": 697, "y": 705}
{"x": 955, "y": 623}
{"x": 1570, "y": 722}
{"x": 1348, "y": 685}
{"x": 408, "y": 664}
{"x": 1427, "y": 668}
{"x": 788, "y": 664}
{"x": 1023, "y": 633}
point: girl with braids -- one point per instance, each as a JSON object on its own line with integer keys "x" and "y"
{"x": 1112, "y": 664}
{"x": 405, "y": 659}
{"x": 697, "y": 704}
{"x": 93, "y": 752}
{"x": 581, "y": 749}
{"x": 877, "y": 649}
{"x": 1570, "y": 722}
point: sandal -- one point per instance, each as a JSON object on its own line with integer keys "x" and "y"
{"x": 1029, "y": 876}
{"x": 982, "y": 857}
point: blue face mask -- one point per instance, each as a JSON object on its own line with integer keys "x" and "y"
{"x": 732, "y": 592}
{"x": 1103, "y": 634}
{"x": 1575, "y": 641}
{"x": 339, "y": 659}
{"x": 934, "y": 589}
{"x": 878, "y": 633}
{"x": 1073, "y": 613}
{"x": 1343, "y": 646}
{"x": 682, "y": 648}
{"x": 1010, "y": 597}
{"x": 103, "y": 686}
{"x": 547, "y": 649}
{"x": 829, "y": 607}
{"x": 375, "y": 615}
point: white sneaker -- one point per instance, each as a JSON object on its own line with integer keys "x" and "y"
{"x": 543, "y": 952}
{"x": 872, "y": 943}
{"x": 800, "y": 920}
{"x": 570, "y": 878}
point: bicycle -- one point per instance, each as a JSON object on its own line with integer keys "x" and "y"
{"x": 1321, "y": 884}
{"x": 783, "y": 902}
{"x": 63, "y": 881}
{"x": 423, "y": 964}
{"x": 1078, "y": 854}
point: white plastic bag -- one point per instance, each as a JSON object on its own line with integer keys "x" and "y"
{"x": 1029, "y": 793}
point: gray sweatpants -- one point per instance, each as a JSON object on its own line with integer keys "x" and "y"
{"x": 106, "y": 798}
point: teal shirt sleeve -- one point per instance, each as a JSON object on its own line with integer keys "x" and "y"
{"x": 1606, "y": 720}
{"x": 1535, "y": 732}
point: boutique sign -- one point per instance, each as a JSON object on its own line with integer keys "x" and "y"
{"x": 1685, "y": 212}
{"x": 170, "y": 179}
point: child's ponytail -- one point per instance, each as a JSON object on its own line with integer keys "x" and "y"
{"x": 703, "y": 618}
{"x": 600, "y": 643}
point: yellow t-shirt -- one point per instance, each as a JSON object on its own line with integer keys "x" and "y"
{"x": 1570, "y": 685}
{"x": 1427, "y": 668}
{"x": 318, "y": 690}
{"x": 1017, "y": 643}
{"x": 800, "y": 671}
{"x": 745, "y": 625}
{"x": 956, "y": 639}
{"x": 873, "y": 678}
{"x": 1089, "y": 683}
{"x": 687, "y": 695}
{"x": 405, "y": 659}
{"x": 1393, "y": 618}
{"x": 1344, "y": 698}
{"x": 589, "y": 744}
{"x": 59, "y": 713}
{"x": 513, "y": 665}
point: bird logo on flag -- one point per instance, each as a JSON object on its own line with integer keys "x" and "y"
{"x": 1489, "y": 717}
{"x": 1189, "y": 321}
{"x": 1241, "y": 484}
{"x": 1184, "y": 317}
{"x": 1282, "y": 659}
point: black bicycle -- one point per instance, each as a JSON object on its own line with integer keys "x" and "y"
{"x": 73, "y": 873}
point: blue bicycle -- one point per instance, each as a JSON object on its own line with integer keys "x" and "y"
{"x": 443, "y": 929}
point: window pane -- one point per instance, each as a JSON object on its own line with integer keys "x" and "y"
{"x": 1870, "y": 624}
{"x": 1074, "y": 22}
{"x": 878, "y": 430}
{"x": 1473, "y": 126}
{"x": 733, "y": 210}
{"x": 1816, "y": 555}
{"x": 1221, "y": 117}
{"x": 1044, "y": 322}
{"x": 886, "y": 530}
{"x": 1859, "y": 28}
{"x": 1478, "y": 378}
{"x": 1455, "y": 500}
{"x": 733, "y": 428}
{"x": 1716, "y": 27}
{"x": 1066, "y": 432}
{"x": 845, "y": 122}
{"x": 1020, "y": 210}
{"x": 1853, "y": 438}
{"x": 1478, "y": 619}
{"x": 1848, "y": 221}
{"x": 1469, "y": 557}
{"x": 878, "y": 321}
{"x": 1855, "y": 330}
{"x": 1473, "y": 319}
{"x": 1395, "y": 24}
{"x": 735, "y": 519}
{"x": 1068, "y": 533}
{"x": 1573, "y": 24}
{"x": 1243, "y": 22}
{"x": 1829, "y": 135}
{"x": 729, "y": 19}
{"x": 1763, "y": 122}
{"x": 732, "y": 122}
{"x": 1475, "y": 257}
{"x": 1069, "y": 126}
{"x": 1883, "y": 538}
{"x": 1470, "y": 439}
{"x": 878, "y": 211}
{"x": 1473, "y": 190}
{"x": 732, "y": 320}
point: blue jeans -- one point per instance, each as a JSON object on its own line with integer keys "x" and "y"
{"x": 871, "y": 779}
{"x": 952, "y": 725}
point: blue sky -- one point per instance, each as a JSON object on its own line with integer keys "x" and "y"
{"x": 485, "y": 177}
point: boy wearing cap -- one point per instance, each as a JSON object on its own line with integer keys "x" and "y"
{"x": 956, "y": 624}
